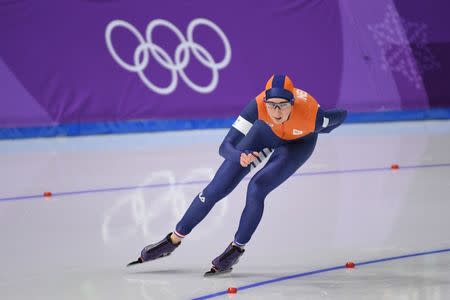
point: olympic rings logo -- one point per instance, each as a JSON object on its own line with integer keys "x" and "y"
{"x": 143, "y": 210}
{"x": 179, "y": 62}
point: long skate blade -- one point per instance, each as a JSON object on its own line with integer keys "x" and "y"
{"x": 215, "y": 272}
{"x": 138, "y": 261}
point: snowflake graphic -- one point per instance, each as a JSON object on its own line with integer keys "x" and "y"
{"x": 403, "y": 46}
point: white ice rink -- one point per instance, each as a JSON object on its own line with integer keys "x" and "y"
{"x": 112, "y": 195}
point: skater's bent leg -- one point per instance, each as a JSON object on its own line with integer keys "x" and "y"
{"x": 284, "y": 162}
{"x": 225, "y": 180}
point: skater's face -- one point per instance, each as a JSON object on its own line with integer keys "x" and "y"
{"x": 279, "y": 109}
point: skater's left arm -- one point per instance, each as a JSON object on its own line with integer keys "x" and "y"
{"x": 327, "y": 120}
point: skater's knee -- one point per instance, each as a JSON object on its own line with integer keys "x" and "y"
{"x": 257, "y": 188}
{"x": 214, "y": 194}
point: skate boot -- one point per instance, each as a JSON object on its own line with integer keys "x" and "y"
{"x": 158, "y": 250}
{"x": 224, "y": 262}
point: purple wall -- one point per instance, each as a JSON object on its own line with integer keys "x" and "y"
{"x": 56, "y": 66}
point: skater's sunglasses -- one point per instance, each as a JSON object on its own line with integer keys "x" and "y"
{"x": 281, "y": 106}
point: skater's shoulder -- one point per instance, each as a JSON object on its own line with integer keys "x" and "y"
{"x": 250, "y": 112}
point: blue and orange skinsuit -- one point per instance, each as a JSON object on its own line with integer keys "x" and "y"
{"x": 287, "y": 146}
